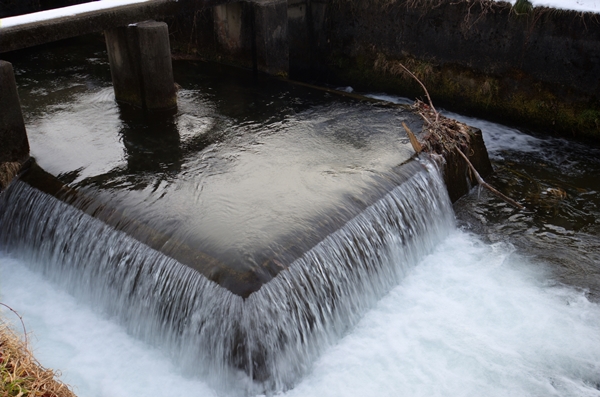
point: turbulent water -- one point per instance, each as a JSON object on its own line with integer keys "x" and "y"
{"x": 265, "y": 342}
{"x": 469, "y": 319}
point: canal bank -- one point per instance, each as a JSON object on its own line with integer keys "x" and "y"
{"x": 536, "y": 68}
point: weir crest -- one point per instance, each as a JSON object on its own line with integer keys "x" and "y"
{"x": 263, "y": 343}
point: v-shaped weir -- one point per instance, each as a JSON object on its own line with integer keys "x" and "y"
{"x": 265, "y": 342}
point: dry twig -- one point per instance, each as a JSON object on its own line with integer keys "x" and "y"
{"x": 444, "y": 136}
{"x": 20, "y": 319}
{"x": 488, "y": 186}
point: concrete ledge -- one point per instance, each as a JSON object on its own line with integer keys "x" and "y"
{"x": 35, "y": 33}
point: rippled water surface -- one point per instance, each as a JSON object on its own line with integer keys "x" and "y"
{"x": 248, "y": 168}
{"x": 558, "y": 181}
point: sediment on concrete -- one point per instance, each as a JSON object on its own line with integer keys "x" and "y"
{"x": 251, "y": 34}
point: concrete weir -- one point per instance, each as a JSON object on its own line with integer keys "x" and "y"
{"x": 280, "y": 246}
{"x": 140, "y": 63}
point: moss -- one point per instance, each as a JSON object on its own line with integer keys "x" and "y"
{"x": 522, "y": 7}
{"x": 513, "y": 97}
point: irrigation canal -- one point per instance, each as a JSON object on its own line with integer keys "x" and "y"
{"x": 479, "y": 299}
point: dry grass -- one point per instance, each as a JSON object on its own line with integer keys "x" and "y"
{"x": 21, "y": 375}
{"x": 442, "y": 135}
{"x": 7, "y": 172}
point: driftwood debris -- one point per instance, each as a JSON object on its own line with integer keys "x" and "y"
{"x": 443, "y": 136}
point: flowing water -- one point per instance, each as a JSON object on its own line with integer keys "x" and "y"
{"x": 396, "y": 301}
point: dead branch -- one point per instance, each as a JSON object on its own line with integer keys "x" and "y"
{"x": 483, "y": 183}
{"x": 413, "y": 139}
{"x": 422, "y": 86}
{"x": 444, "y": 136}
{"x": 20, "y": 318}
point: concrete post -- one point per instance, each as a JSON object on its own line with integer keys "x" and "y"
{"x": 140, "y": 65}
{"x": 14, "y": 145}
{"x": 271, "y": 36}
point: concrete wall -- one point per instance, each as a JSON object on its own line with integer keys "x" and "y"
{"x": 538, "y": 69}
{"x": 250, "y": 33}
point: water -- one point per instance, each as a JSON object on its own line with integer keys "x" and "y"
{"x": 273, "y": 335}
{"x": 247, "y": 171}
{"x": 449, "y": 311}
{"x": 470, "y": 319}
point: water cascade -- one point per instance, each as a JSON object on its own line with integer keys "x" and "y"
{"x": 262, "y": 343}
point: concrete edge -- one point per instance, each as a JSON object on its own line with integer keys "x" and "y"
{"x": 35, "y": 33}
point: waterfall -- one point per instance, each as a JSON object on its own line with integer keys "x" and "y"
{"x": 265, "y": 342}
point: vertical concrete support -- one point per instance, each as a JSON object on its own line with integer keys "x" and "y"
{"x": 271, "y": 36}
{"x": 14, "y": 145}
{"x": 158, "y": 84}
{"x": 229, "y": 28}
{"x": 140, "y": 65}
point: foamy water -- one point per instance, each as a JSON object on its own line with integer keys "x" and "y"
{"x": 470, "y": 319}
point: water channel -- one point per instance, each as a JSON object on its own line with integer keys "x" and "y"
{"x": 497, "y": 302}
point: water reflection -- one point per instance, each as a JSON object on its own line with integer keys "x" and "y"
{"x": 151, "y": 140}
{"x": 248, "y": 171}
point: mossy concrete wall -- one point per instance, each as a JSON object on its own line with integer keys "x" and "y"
{"x": 248, "y": 33}
{"x": 539, "y": 69}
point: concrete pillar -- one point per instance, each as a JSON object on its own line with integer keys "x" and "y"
{"x": 271, "y": 36}
{"x": 14, "y": 145}
{"x": 140, "y": 65}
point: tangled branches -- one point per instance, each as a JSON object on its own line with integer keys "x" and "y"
{"x": 444, "y": 136}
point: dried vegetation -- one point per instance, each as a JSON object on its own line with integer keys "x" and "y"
{"x": 21, "y": 375}
{"x": 444, "y": 136}
{"x": 8, "y": 171}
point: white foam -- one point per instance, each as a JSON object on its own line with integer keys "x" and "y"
{"x": 95, "y": 355}
{"x": 470, "y": 319}
{"x": 499, "y": 138}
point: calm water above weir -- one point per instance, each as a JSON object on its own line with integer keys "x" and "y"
{"x": 476, "y": 310}
{"x": 249, "y": 172}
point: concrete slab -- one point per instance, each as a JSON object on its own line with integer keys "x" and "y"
{"x": 48, "y": 30}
